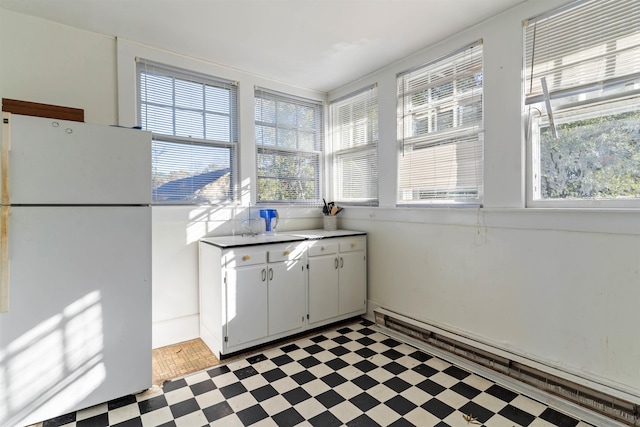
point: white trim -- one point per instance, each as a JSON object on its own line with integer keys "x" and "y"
{"x": 173, "y": 331}
{"x": 609, "y": 221}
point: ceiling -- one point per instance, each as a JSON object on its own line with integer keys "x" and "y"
{"x": 315, "y": 44}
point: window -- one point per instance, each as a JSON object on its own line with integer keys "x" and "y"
{"x": 582, "y": 99}
{"x": 441, "y": 131}
{"x": 354, "y": 129}
{"x": 194, "y": 122}
{"x": 289, "y": 147}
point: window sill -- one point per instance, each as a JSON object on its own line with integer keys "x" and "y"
{"x": 610, "y": 221}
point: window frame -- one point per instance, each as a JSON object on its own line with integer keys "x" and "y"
{"x": 263, "y": 94}
{"x": 437, "y": 139}
{"x": 534, "y": 118}
{"x": 159, "y": 138}
{"x": 367, "y": 150}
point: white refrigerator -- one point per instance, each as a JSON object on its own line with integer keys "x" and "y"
{"x": 75, "y": 266}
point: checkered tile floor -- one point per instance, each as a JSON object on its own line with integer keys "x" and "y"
{"x": 353, "y": 376}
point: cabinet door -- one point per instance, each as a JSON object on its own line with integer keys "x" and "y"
{"x": 352, "y": 282}
{"x": 323, "y": 287}
{"x": 286, "y": 296}
{"x": 246, "y": 304}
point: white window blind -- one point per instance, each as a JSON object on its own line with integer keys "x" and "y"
{"x": 582, "y": 92}
{"x": 289, "y": 140}
{"x": 441, "y": 131}
{"x": 354, "y": 129}
{"x": 194, "y": 122}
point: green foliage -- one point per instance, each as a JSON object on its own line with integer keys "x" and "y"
{"x": 283, "y": 177}
{"x": 595, "y": 158}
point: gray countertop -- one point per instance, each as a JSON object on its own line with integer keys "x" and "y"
{"x": 225, "y": 242}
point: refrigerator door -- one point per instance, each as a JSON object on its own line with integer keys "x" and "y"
{"x": 58, "y": 162}
{"x": 78, "y": 331}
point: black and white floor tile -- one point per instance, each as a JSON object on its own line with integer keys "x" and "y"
{"x": 351, "y": 376}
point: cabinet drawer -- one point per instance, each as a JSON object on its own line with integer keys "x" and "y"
{"x": 352, "y": 244}
{"x": 285, "y": 253}
{"x": 240, "y": 258}
{"x": 323, "y": 248}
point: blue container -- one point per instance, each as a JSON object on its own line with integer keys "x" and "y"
{"x": 270, "y": 218}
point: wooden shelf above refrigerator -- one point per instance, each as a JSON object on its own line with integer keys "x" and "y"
{"x": 36, "y": 109}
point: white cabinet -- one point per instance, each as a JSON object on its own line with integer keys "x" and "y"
{"x": 287, "y": 294}
{"x": 337, "y": 278}
{"x": 251, "y": 295}
{"x": 246, "y": 304}
{"x": 254, "y": 293}
{"x": 324, "y": 289}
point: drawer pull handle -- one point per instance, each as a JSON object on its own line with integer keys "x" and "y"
{"x": 287, "y": 252}
{"x": 322, "y": 248}
{"x": 246, "y": 257}
{"x": 353, "y": 245}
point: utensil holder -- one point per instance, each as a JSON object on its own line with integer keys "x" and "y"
{"x": 330, "y": 222}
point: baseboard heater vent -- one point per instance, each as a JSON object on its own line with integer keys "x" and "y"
{"x": 620, "y": 410}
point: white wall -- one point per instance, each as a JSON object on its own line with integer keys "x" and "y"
{"x": 49, "y": 63}
{"x": 558, "y": 286}
{"x": 41, "y": 61}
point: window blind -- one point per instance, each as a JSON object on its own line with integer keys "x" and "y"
{"x": 289, "y": 139}
{"x": 582, "y": 49}
{"x": 194, "y": 122}
{"x": 441, "y": 131}
{"x": 354, "y": 129}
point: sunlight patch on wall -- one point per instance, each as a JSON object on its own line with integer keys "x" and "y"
{"x": 55, "y": 365}
{"x": 204, "y": 221}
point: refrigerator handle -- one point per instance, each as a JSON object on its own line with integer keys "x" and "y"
{"x": 4, "y": 159}
{"x": 4, "y": 258}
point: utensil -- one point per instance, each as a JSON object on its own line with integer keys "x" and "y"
{"x": 325, "y": 208}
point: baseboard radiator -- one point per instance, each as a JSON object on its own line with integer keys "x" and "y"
{"x": 613, "y": 407}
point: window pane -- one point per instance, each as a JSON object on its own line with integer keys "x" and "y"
{"x": 156, "y": 89}
{"x": 265, "y": 110}
{"x": 595, "y": 158}
{"x": 189, "y": 124}
{"x": 266, "y": 135}
{"x": 444, "y": 120}
{"x": 283, "y": 177}
{"x": 287, "y": 138}
{"x": 448, "y": 170}
{"x": 470, "y": 114}
{"x": 190, "y": 173}
{"x": 188, "y": 94}
{"x": 217, "y": 100}
{"x": 160, "y": 119}
{"x": 306, "y": 117}
{"x": 218, "y": 127}
{"x": 306, "y": 140}
{"x": 357, "y": 175}
{"x": 287, "y": 114}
